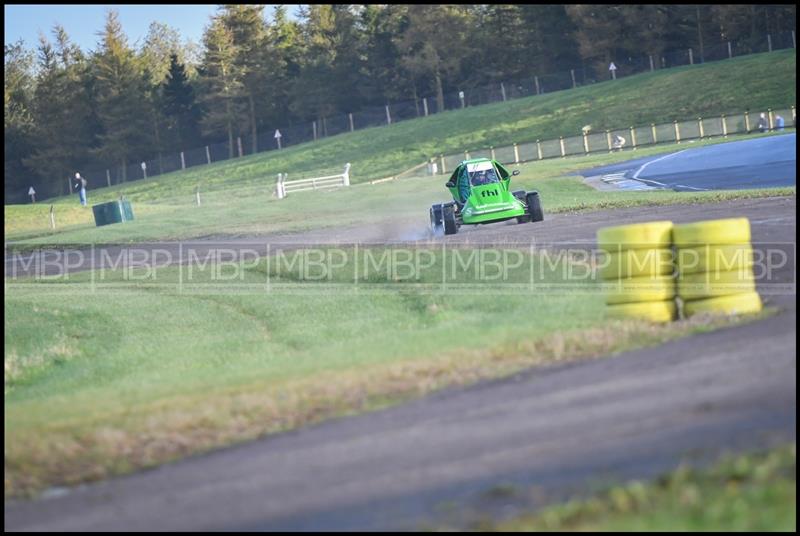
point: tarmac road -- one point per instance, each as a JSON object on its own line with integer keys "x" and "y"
{"x": 758, "y": 163}
{"x": 556, "y": 428}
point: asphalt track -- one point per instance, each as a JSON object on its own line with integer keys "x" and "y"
{"x": 557, "y": 429}
{"x": 758, "y": 163}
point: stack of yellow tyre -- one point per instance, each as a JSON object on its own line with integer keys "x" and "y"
{"x": 715, "y": 267}
{"x": 637, "y": 271}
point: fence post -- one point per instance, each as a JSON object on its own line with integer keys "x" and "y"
{"x": 314, "y": 127}
{"x": 747, "y": 121}
{"x": 572, "y": 72}
{"x": 769, "y": 42}
{"x": 491, "y": 150}
{"x": 208, "y": 155}
{"x": 691, "y": 57}
{"x": 503, "y": 91}
{"x": 539, "y": 149}
{"x": 536, "y": 81}
{"x": 561, "y": 143}
{"x": 677, "y": 131}
{"x": 239, "y": 144}
{"x": 724, "y": 126}
{"x": 425, "y": 105}
{"x": 279, "y": 187}
{"x": 771, "y": 117}
{"x": 183, "y": 161}
{"x": 653, "y": 130}
{"x": 794, "y": 116}
{"x": 516, "y": 153}
{"x": 197, "y": 194}
{"x": 608, "y": 141}
{"x": 586, "y": 143}
{"x": 466, "y": 155}
{"x": 108, "y": 177}
{"x": 652, "y": 67}
{"x": 388, "y": 116}
{"x": 52, "y": 217}
{"x": 700, "y": 127}
{"x": 69, "y": 181}
{"x": 350, "y": 116}
{"x": 730, "y": 51}
{"x": 346, "y": 174}
{"x": 441, "y": 161}
{"x": 633, "y": 138}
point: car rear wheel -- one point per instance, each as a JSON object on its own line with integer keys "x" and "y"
{"x": 436, "y": 218}
{"x": 534, "y": 207}
{"x": 520, "y": 196}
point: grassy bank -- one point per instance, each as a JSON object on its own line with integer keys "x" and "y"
{"x": 753, "y": 492}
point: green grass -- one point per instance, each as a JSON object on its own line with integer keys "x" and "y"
{"x": 238, "y": 193}
{"x": 247, "y": 213}
{"x": 106, "y": 374}
{"x": 752, "y": 492}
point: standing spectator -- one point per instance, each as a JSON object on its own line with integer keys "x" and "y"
{"x": 763, "y": 125}
{"x": 779, "y": 122}
{"x": 81, "y": 183}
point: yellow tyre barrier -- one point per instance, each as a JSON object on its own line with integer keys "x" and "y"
{"x": 748, "y": 302}
{"x": 635, "y": 263}
{"x": 640, "y": 289}
{"x": 657, "y": 234}
{"x": 714, "y": 258}
{"x": 712, "y": 284}
{"x": 716, "y": 232}
{"x": 661, "y": 311}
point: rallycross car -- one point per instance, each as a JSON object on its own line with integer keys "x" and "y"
{"x": 481, "y": 194}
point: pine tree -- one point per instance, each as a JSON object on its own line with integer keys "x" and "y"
{"x": 181, "y": 112}
{"x": 18, "y": 95}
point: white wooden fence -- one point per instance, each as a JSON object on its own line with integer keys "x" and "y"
{"x": 315, "y": 183}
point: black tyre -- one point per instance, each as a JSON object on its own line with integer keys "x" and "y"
{"x": 436, "y": 218}
{"x": 449, "y": 218}
{"x": 534, "y": 207}
{"x": 520, "y": 196}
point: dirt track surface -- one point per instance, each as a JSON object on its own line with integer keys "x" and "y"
{"x": 557, "y": 428}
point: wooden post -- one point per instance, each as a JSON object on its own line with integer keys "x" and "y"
{"x": 771, "y": 117}
{"x": 503, "y": 91}
{"x": 586, "y": 143}
{"x": 516, "y": 153}
{"x": 633, "y": 138}
{"x": 691, "y": 57}
{"x": 730, "y": 50}
{"x": 239, "y": 144}
{"x": 561, "y": 142}
{"x": 700, "y": 127}
{"x": 279, "y": 188}
{"x": 769, "y": 42}
{"x": 724, "y": 127}
{"x": 108, "y": 177}
{"x": 352, "y": 127}
{"x": 69, "y": 181}
{"x": 536, "y": 81}
{"x": 425, "y": 105}
{"x": 747, "y": 121}
{"x": 794, "y": 116}
{"x": 388, "y": 116}
{"x": 52, "y": 217}
{"x": 572, "y": 72}
{"x": 466, "y": 155}
{"x": 208, "y": 155}
{"x": 183, "y": 161}
{"x": 491, "y": 150}
{"x": 608, "y": 141}
{"x": 653, "y": 130}
{"x": 652, "y": 67}
{"x": 539, "y": 149}
{"x": 346, "y": 174}
{"x": 197, "y": 194}
{"x": 677, "y": 131}
{"x": 441, "y": 161}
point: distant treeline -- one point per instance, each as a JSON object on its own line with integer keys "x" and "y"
{"x": 66, "y": 109}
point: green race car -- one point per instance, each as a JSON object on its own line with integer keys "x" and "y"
{"x": 481, "y": 194}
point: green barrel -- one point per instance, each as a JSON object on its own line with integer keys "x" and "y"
{"x": 112, "y": 212}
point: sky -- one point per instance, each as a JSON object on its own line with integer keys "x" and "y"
{"x": 84, "y": 22}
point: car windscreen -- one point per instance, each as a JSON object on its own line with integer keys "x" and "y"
{"x": 482, "y": 173}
